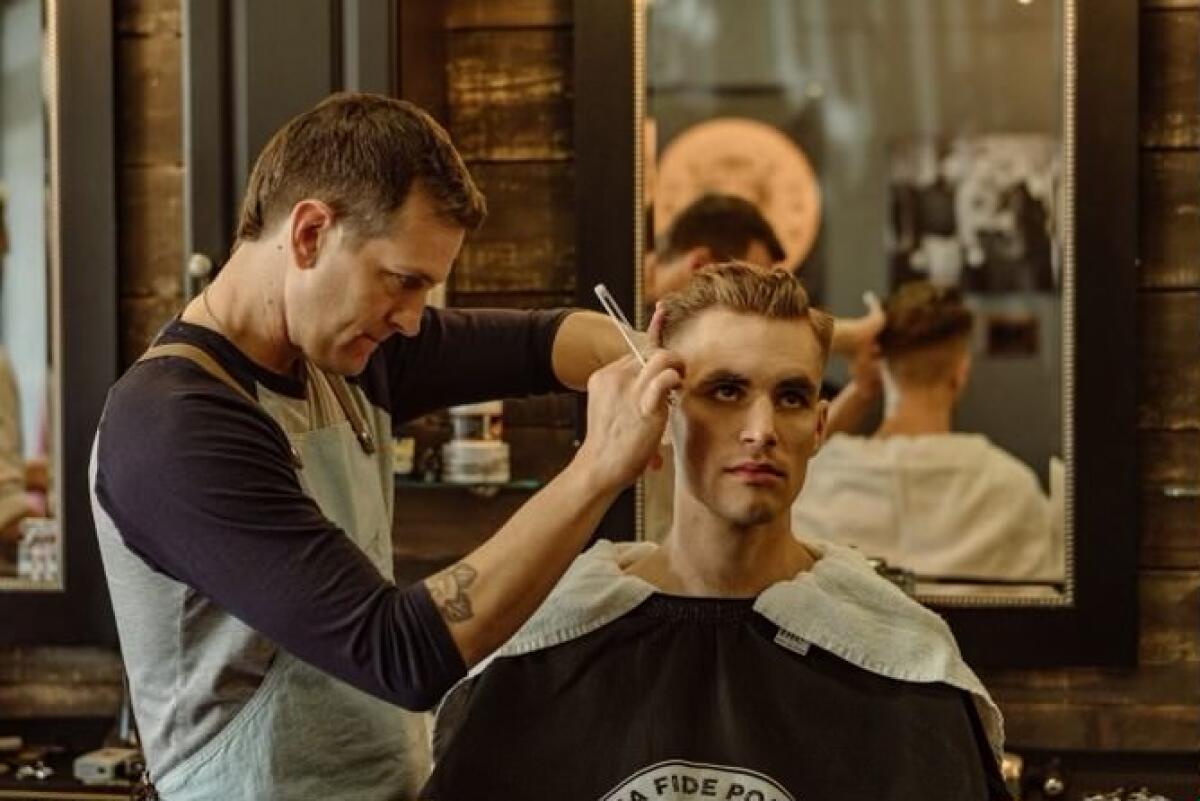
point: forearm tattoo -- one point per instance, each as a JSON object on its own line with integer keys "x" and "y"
{"x": 449, "y": 592}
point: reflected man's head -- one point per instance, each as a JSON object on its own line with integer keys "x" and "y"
{"x": 926, "y": 341}
{"x": 750, "y": 415}
{"x": 713, "y": 228}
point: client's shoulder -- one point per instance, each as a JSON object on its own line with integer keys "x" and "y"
{"x": 594, "y": 591}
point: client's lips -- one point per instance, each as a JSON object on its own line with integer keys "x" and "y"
{"x": 756, "y": 469}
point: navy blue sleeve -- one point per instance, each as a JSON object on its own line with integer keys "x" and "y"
{"x": 200, "y": 485}
{"x": 471, "y": 355}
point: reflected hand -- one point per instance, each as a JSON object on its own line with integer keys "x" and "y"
{"x": 851, "y": 336}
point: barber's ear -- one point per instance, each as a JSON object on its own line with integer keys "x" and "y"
{"x": 309, "y": 227}
{"x": 699, "y": 257}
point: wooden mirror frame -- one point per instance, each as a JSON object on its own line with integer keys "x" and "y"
{"x": 1098, "y": 625}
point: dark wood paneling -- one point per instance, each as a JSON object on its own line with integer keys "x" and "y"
{"x": 527, "y": 244}
{"x": 1169, "y": 225}
{"x": 148, "y": 107}
{"x": 1169, "y": 395}
{"x": 509, "y": 14}
{"x": 1147, "y": 708}
{"x": 1170, "y": 86}
{"x": 510, "y": 94}
{"x": 148, "y": 17}
{"x": 1170, "y": 534}
{"x": 151, "y": 213}
{"x": 513, "y": 300}
{"x": 47, "y": 682}
{"x": 141, "y": 319}
{"x": 1175, "y": 4}
{"x": 551, "y": 411}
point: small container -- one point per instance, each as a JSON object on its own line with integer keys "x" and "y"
{"x": 478, "y": 421}
{"x": 403, "y": 451}
{"x": 476, "y": 454}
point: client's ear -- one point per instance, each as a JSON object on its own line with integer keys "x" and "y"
{"x": 962, "y": 374}
{"x": 822, "y": 428}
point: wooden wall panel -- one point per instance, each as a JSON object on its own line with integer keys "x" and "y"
{"x": 1169, "y": 215}
{"x": 463, "y": 14}
{"x": 510, "y": 94}
{"x": 151, "y": 211}
{"x": 1170, "y": 531}
{"x": 1170, "y": 59}
{"x": 150, "y": 156}
{"x": 149, "y": 18}
{"x": 148, "y": 99}
{"x": 527, "y": 242}
{"x": 1170, "y": 370}
{"x": 1153, "y": 707}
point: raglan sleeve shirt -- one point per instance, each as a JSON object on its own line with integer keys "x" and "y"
{"x": 201, "y": 487}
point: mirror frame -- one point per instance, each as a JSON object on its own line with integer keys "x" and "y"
{"x": 1098, "y": 624}
{"x": 82, "y": 248}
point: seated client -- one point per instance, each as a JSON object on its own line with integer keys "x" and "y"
{"x": 733, "y": 661}
{"x": 916, "y": 494}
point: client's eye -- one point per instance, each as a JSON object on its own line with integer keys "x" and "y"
{"x": 792, "y": 399}
{"x": 726, "y": 392}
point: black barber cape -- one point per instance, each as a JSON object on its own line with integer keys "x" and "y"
{"x": 684, "y": 699}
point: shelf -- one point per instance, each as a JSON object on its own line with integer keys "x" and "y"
{"x": 517, "y": 485}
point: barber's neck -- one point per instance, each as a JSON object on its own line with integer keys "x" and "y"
{"x": 918, "y": 410}
{"x": 706, "y": 556}
{"x": 245, "y": 304}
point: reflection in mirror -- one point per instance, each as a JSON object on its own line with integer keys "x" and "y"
{"x": 30, "y": 549}
{"x": 905, "y": 144}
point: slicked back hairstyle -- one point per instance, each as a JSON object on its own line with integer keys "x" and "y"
{"x": 725, "y": 224}
{"x": 745, "y": 289}
{"x": 361, "y": 154}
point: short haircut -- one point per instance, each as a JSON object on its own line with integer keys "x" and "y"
{"x": 745, "y": 289}
{"x": 927, "y": 330}
{"x": 361, "y": 154}
{"x": 725, "y": 224}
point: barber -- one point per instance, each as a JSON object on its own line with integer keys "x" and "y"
{"x": 242, "y": 483}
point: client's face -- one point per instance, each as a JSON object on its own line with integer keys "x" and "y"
{"x": 749, "y": 416}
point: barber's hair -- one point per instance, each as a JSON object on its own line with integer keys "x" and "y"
{"x": 361, "y": 154}
{"x": 745, "y": 289}
{"x": 725, "y": 224}
{"x": 927, "y": 330}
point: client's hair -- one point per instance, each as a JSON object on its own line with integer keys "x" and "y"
{"x": 926, "y": 334}
{"x": 745, "y": 289}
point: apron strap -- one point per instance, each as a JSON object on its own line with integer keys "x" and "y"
{"x": 209, "y": 365}
{"x": 338, "y": 385}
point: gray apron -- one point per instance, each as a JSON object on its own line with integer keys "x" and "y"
{"x": 304, "y": 734}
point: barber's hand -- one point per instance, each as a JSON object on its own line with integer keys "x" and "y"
{"x": 627, "y": 413}
{"x": 852, "y": 336}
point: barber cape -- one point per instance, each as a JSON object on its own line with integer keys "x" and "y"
{"x": 951, "y": 505}
{"x": 832, "y": 685}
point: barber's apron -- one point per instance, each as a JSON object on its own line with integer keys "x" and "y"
{"x": 305, "y": 735}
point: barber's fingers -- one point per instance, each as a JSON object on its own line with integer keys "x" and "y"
{"x": 655, "y": 394}
{"x": 660, "y": 360}
{"x": 654, "y": 332}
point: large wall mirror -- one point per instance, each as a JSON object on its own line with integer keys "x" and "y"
{"x": 58, "y": 312}
{"x": 889, "y": 143}
{"x": 30, "y": 538}
{"x": 959, "y": 144}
